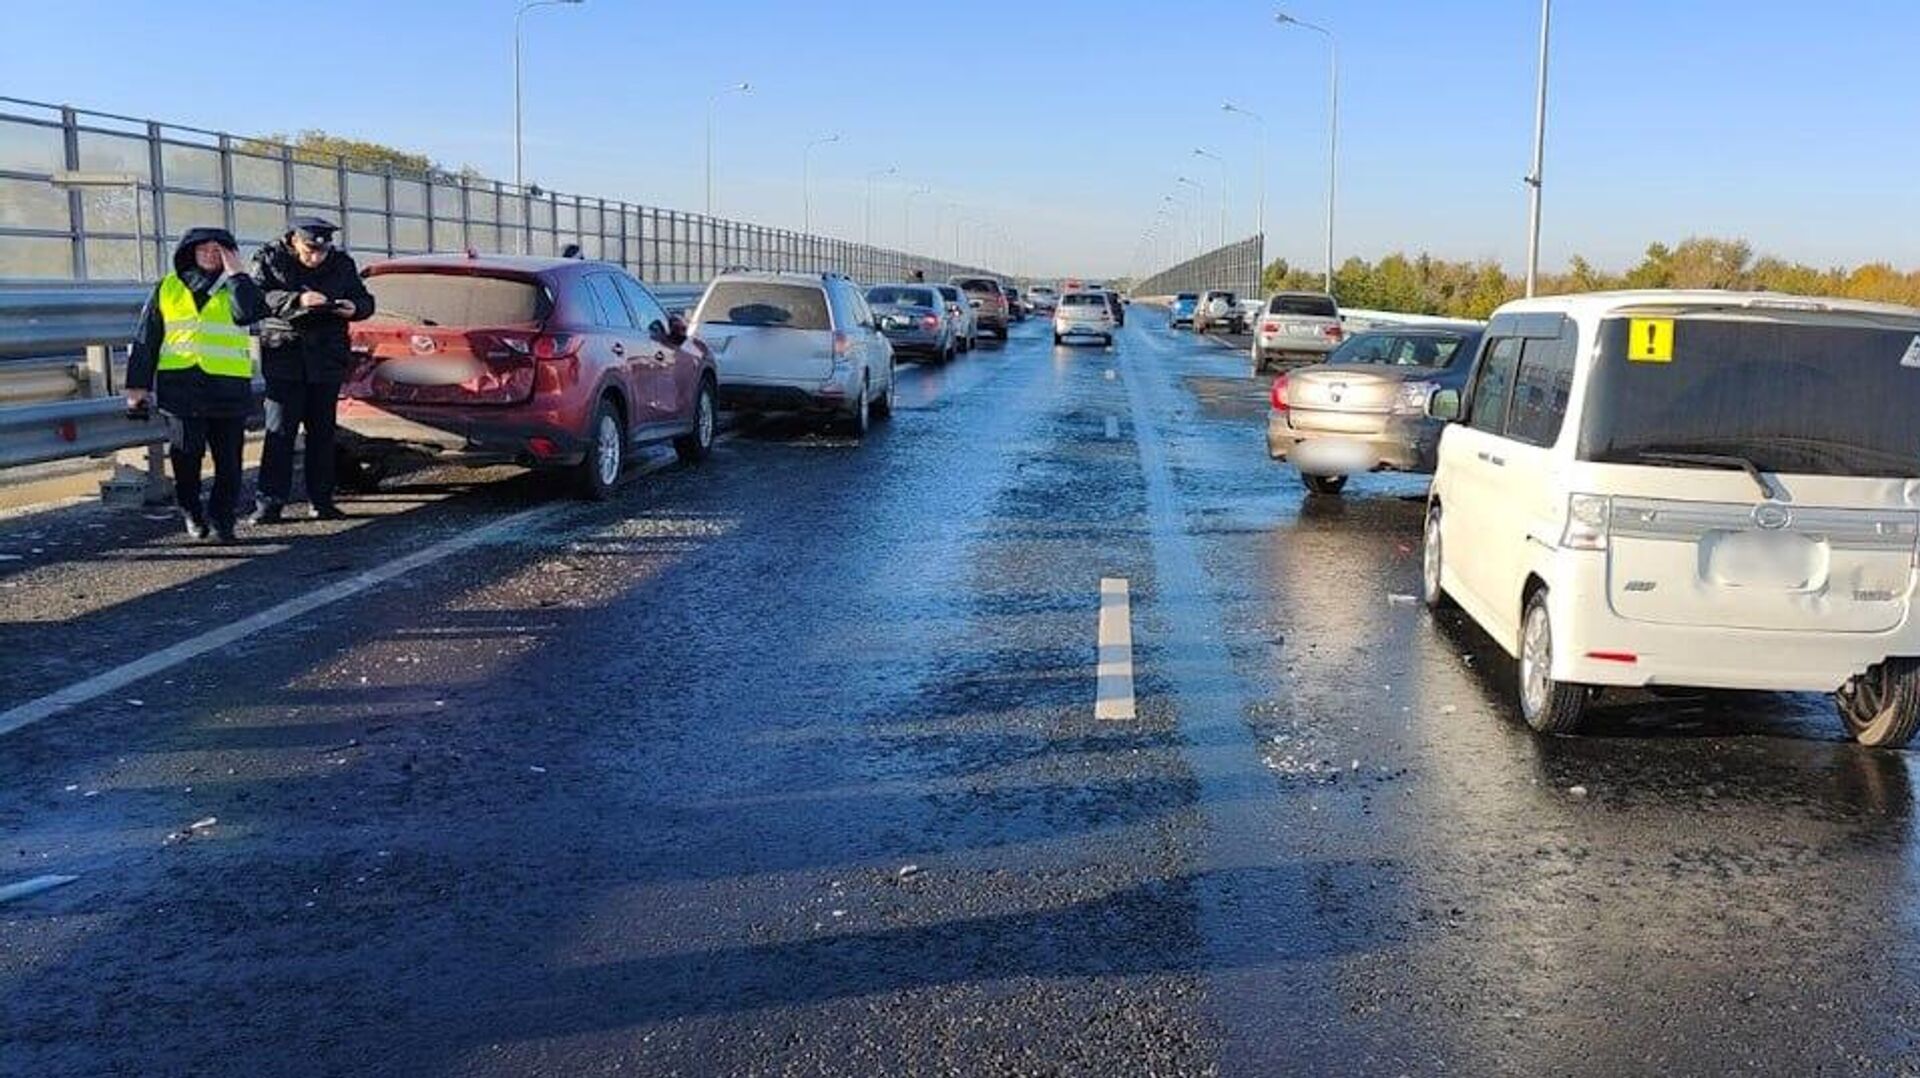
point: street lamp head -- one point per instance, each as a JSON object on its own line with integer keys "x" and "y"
{"x": 1283, "y": 18}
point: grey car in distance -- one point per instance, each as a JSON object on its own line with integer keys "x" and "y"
{"x": 966, "y": 324}
{"x": 914, "y": 319}
{"x": 1296, "y": 328}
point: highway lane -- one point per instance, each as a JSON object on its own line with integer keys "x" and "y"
{"x": 788, "y": 764}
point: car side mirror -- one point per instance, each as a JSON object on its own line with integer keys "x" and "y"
{"x": 1444, "y": 405}
{"x": 674, "y": 332}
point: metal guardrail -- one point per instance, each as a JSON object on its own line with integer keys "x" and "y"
{"x": 1235, "y": 266}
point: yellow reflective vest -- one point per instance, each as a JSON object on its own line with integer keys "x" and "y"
{"x": 203, "y": 337}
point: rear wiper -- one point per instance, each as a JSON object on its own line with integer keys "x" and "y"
{"x": 1715, "y": 460}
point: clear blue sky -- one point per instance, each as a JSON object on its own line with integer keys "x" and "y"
{"x": 1793, "y": 125}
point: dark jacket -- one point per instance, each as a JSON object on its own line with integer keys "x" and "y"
{"x": 298, "y": 344}
{"x": 193, "y": 393}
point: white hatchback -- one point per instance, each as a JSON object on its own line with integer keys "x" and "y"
{"x": 1708, "y": 489}
{"x": 1083, "y": 314}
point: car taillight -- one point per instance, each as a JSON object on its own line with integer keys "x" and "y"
{"x": 1279, "y": 396}
{"x": 1269, "y": 327}
{"x": 1334, "y": 333}
{"x": 557, "y": 345}
{"x": 842, "y": 345}
{"x": 928, "y": 321}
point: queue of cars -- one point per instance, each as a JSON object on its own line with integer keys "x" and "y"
{"x": 570, "y": 366}
{"x": 1652, "y": 489}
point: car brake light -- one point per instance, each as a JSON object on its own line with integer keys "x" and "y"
{"x": 557, "y": 345}
{"x": 1269, "y": 327}
{"x": 1589, "y": 517}
{"x": 1334, "y": 333}
{"x": 842, "y": 345}
{"x": 541, "y": 447}
{"x": 928, "y": 321}
{"x": 1614, "y": 656}
{"x": 1279, "y": 396}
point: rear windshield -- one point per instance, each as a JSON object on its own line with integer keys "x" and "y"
{"x": 1187, "y": 297}
{"x": 905, "y": 297}
{"x": 950, "y": 292}
{"x": 456, "y": 299}
{"x": 979, "y": 284}
{"x": 1084, "y": 299}
{"x": 1041, "y": 291}
{"x": 1405, "y": 349}
{"x": 1315, "y": 306}
{"x": 1228, "y": 296}
{"x": 1802, "y": 395}
{"x": 766, "y": 303}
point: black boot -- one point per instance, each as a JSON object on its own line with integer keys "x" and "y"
{"x": 266, "y": 512}
{"x": 325, "y": 511}
{"x": 196, "y": 523}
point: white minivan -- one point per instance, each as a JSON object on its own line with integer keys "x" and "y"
{"x": 1708, "y": 489}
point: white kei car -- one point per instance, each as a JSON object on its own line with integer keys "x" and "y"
{"x": 1706, "y": 489}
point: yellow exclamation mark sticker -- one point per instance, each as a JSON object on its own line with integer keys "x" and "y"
{"x": 1650, "y": 340}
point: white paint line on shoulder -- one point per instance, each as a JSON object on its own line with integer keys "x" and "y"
{"x": 1111, "y": 374}
{"x": 1113, "y": 677}
{"x": 146, "y": 666}
{"x": 33, "y": 886}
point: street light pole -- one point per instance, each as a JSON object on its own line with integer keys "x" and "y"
{"x": 1216, "y": 159}
{"x": 906, "y": 216}
{"x": 1333, "y": 124}
{"x": 1539, "y": 154}
{"x": 518, "y": 181}
{"x": 1199, "y": 225}
{"x": 742, "y": 88}
{"x": 871, "y": 176}
{"x": 1260, "y": 217}
{"x": 806, "y": 181}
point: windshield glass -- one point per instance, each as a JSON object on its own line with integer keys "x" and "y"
{"x": 1799, "y": 395}
{"x": 450, "y": 299}
{"x": 765, "y": 303}
{"x": 1084, "y": 299}
{"x": 1403, "y": 349}
{"x": 979, "y": 284}
{"x": 904, "y": 297}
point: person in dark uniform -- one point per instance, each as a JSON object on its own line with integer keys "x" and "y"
{"x": 191, "y": 352}
{"x": 312, "y": 291}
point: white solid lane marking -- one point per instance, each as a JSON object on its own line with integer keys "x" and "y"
{"x": 1111, "y": 374}
{"x": 1113, "y": 426}
{"x": 1113, "y": 678}
{"x": 121, "y": 676}
{"x": 33, "y": 886}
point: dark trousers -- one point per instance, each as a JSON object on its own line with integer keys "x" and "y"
{"x": 291, "y": 405}
{"x": 191, "y": 438}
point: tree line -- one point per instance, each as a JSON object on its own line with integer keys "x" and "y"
{"x": 1424, "y": 284}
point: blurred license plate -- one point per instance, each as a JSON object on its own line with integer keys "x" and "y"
{"x": 1331, "y": 456}
{"x": 1302, "y": 329}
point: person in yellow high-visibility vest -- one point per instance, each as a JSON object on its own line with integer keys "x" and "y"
{"x": 191, "y": 352}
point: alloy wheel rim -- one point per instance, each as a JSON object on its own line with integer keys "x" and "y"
{"x": 1535, "y": 661}
{"x": 608, "y": 451}
{"x": 706, "y": 418}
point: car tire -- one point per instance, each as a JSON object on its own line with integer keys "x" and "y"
{"x": 694, "y": 446}
{"x": 1000, "y": 334}
{"x": 947, "y": 353}
{"x": 1881, "y": 707}
{"x": 1107, "y": 341}
{"x": 861, "y": 421}
{"x": 1324, "y": 484}
{"x": 599, "y": 471}
{"x": 355, "y": 473}
{"x": 1549, "y": 706}
{"x": 883, "y": 407}
{"x": 1432, "y": 592}
{"x": 1057, "y": 339}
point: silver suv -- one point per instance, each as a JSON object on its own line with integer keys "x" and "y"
{"x": 797, "y": 342}
{"x": 1295, "y": 329}
{"x": 1219, "y": 310}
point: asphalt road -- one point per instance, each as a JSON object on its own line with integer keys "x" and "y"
{"x": 787, "y": 764}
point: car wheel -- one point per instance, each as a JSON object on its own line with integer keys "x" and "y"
{"x": 1107, "y": 341}
{"x": 1000, "y": 334}
{"x": 1324, "y": 484}
{"x": 599, "y": 471}
{"x": 861, "y": 421}
{"x": 947, "y": 353}
{"x": 1057, "y": 338}
{"x": 1882, "y": 706}
{"x": 694, "y": 446}
{"x": 357, "y": 474}
{"x": 1431, "y": 591}
{"x": 1549, "y": 706}
{"x": 883, "y": 408}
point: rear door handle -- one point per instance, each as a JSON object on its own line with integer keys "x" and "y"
{"x": 1498, "y": 462}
